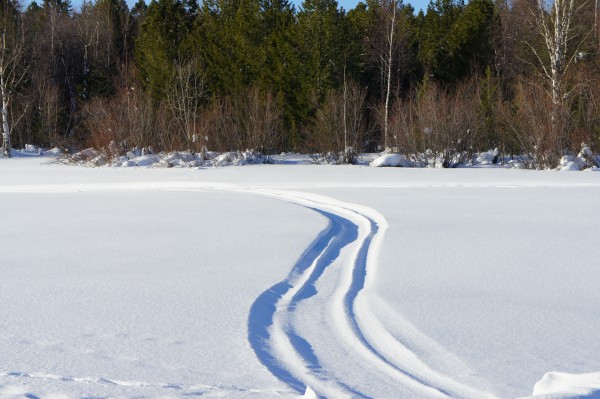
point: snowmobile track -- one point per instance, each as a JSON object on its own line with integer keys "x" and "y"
{"x": 272, "y": 330}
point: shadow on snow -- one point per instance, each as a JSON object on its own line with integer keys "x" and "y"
{"x": 323, "y": 250}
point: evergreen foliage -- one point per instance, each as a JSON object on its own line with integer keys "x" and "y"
{"x": 161, "y": 43}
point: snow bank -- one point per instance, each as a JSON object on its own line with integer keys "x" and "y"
{"x": 144, "y": 157}
{"x": 439, "y": 160}
{"x": 116, "y": 156}
{"x": 136, "y": 158}
{"x": 31, "y": 150}
{"x": 571, "y": 163}
{"x": 238, "y": 158}
{"x": 146, "y": 160}
{"x": 391, "y": 160}
{"x": 486, "y": 158}
{"x": 564, "y": 385}
{"x": 586, "y": 159}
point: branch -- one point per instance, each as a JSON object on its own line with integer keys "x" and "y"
{"x": 540, "y": 60}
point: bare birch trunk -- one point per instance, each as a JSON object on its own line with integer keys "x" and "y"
{"x": 386, "y": 124}
{"x": 6, "y": 146}
{"x": 345, "y": 120}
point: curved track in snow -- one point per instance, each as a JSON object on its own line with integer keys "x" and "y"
{"x": 315, "y": 329}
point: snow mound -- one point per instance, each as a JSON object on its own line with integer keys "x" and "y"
{"x": 586, "y": 159}
{"x": 55, "y": 151}
{"x": 487, "y": 158}
{"x": 146, "y": 160}
{"x": 85, "y": 155}
{"x": 564, "y": 385}
{"x": 517, "y": 164}
{"x": 31, "y": 150}
{"x": 309, "y": 393}
{"x": 237, "y": 158}
{"x": 571, "y": 163}
{"x": 587, "y": 156}
{"x": 568, "y": 163}
{"x": 225, "y": 159}
{"x": 177, "y": 159}
{"x": 391, "y": 160}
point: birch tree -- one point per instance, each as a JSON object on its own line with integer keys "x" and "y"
{"x": 391, "y": 54}
{"x": 553, "y": 21}
{"x": 387, "y": 63}
{"x": 10, "y": 73}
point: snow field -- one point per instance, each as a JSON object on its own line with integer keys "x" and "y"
{"x": 143, "y": 282}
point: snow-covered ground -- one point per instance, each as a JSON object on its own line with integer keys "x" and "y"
{"x": 258, "y": 281}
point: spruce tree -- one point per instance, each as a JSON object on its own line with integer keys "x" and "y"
{"x": 279, "y": 73}
{"x": 321, "y": 49}
{"x": 469, "y": 39}
{"x": 454, "y": 38}
{"x": 229, "y": 38}
{"x": 162, "y": 40}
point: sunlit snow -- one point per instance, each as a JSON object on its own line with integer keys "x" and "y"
{"x": 288, "y": 280}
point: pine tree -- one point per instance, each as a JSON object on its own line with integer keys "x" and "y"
{"x": 229, "y": 39}
{"x": 434, "y": 35}
{"x": 161, "y": 43}
{"x": 454, "y": 38}
{"x": 321, "y": 49}
{"x": 61, "y": 7}
{"x": 279, "y": 73}
{"x": 470, "y": 38}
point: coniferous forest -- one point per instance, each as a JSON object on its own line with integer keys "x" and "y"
{"x": 522, "y": 76}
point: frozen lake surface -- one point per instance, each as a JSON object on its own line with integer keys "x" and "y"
{"x": 261, "y": 281}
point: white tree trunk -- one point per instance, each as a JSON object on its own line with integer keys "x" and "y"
{"x": 345, "y": 100}
{"x": 6, "y": 146}
{"x": 5, "y": 127}
{"x": 386, "y": 140}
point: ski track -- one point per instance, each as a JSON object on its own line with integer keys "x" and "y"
{"x": 350, "y": 244}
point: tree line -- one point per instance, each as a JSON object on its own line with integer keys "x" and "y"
{"x": 522, "y": 76}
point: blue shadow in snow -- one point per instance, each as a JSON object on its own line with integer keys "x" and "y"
{"x": 324, "y": 250}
